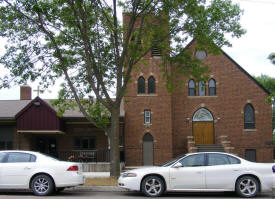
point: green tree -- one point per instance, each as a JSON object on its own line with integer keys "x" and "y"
{"x": 85, "y": 43}
{"x": 269, "y": 84}
{"x": 272, "y": 58}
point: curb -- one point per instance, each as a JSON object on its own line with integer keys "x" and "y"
{"x": 98, "y": 188}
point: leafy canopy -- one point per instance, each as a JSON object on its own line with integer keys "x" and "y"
{"x": 86, "y": 43}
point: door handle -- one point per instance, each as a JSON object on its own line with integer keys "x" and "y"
{"x": 236, "y": 170}
{"x": 199, "y": 172}
{"x": 27, "y": 168}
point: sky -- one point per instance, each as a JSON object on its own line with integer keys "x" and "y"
{"x": 250, "y": 51}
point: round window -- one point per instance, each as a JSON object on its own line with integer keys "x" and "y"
{"x": 200, "y": 54}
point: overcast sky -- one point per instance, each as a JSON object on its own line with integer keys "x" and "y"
{"x": 250, "y": 51}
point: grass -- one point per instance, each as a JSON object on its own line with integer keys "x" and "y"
{"x": 111, "y": 181}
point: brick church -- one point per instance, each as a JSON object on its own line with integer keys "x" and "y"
{"x": 227, "y": 113}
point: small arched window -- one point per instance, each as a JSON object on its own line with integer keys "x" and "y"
{"x": 141, "y": 85}
{"x": 212, "y": 87}
{"x": 151, "y": 85}
{"x": 249, "y": 117}
{"x": 191, "y": 88}
{"x": 201, "y": 88}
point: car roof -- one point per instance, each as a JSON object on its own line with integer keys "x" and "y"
{"x": 21, "y": 151}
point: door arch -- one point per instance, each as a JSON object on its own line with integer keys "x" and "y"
{"x": 203, "y": 127}
{"x": 148, "y": 149}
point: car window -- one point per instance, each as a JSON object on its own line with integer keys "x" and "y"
{"x": 20, "y": 157}
{"x": 233, "y": 160}
{"x": 2, "y": 157}
{"x": 217, "y": 159}
{"x": 193, "y": 160}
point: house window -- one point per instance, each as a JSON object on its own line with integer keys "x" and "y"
{"x": 151, "y": 85}
{"x": 191, "y": 88}
{"x": 85, "y": 143}
{"x": 212, "y": 87}
{"x": 147, "y": 117}
{"x": 250, "y": 155}
{"x": 201, "y": 88}
{"x": 141, "y": 85}
{"x": 249, "y": 117}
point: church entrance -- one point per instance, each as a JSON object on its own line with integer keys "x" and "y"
{"x": 203, "y": 127}
{"x": 148, "y": 149}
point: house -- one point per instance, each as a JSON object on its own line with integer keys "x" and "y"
{"x": 34, "y": 125}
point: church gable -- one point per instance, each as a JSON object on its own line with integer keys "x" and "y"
{"x": 223, "y": 62}
{"x": 38, "y": 116}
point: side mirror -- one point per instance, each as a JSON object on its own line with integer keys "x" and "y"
{"x": 177, "y": 165}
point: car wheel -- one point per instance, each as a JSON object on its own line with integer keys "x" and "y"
{"x": 42, "y": 185}
{"x": 152, "y": 186}
{"x": 247, "y": 186}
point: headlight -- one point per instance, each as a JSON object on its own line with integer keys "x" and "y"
{"x": 124, "y": 175}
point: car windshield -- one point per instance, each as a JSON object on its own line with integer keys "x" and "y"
{"x": 171, "y": 162}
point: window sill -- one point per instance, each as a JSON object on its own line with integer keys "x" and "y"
{"x": 249, "y": 130}
{"x": 207, "y": 96}
{"x": 147, "y": 95}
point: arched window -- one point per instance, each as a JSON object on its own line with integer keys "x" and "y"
{"x": 151, "y": 85}
{"x": 201, "y": 88}
{"x": 191, "y": 88}
{"x": 249, "y": 117}
{"x": 212, "y": 87}
{"x": 141, "y": 85}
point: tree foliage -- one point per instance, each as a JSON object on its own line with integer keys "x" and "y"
{"x": 86, "y": 43}
{"x": 272, "y": 58}
{"x": 269, "y": 84}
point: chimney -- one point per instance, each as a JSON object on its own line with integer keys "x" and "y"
{"x": 25, "y": 93}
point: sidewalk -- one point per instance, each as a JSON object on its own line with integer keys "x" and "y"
{"x": 100, "y": 179}
{"x": 97, "y": 174}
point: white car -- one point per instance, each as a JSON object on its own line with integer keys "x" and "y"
{"x": 38, "y": 172}
{"x": 202, "y": 172}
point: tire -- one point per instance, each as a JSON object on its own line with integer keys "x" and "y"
{"x": 152, "y": 186}
{"x": 247, "y": 187}
{"x": 42, "y": 185}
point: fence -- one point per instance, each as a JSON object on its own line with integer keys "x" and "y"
{"x": 85, "y": 156}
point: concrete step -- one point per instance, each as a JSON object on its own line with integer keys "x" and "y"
{"x": 210, "y": 148}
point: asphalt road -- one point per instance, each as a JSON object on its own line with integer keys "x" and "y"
{"x": 90, "y": 194}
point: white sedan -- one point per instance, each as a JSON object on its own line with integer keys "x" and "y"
{"x": 198, "y": 172}
{"x": 38, "y": 172}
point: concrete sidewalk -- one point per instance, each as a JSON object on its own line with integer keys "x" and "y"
{"x": 97, "y": 174}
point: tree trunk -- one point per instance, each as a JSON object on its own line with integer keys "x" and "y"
{"x": 114, "y": 143}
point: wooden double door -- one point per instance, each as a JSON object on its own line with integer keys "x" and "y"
{"x": 203, "y": 132}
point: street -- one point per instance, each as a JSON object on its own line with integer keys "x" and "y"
{"x": 83, "y": 194}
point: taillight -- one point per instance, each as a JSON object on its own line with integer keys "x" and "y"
{"x": 73, "y": 168}
{"x": 273, "y": 168}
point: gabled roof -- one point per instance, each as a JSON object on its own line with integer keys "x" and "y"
{"x": 9, "y": 109}
{"x": 236, "y": 64}
{"x": 35, "y": 100}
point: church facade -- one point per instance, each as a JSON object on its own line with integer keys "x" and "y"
{"x": 227, "y": 113}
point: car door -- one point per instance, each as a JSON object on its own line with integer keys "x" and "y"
{"x": 222, "y": 171}
{"x": 17, "y": 169}
{"x": 191, "y": 175}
